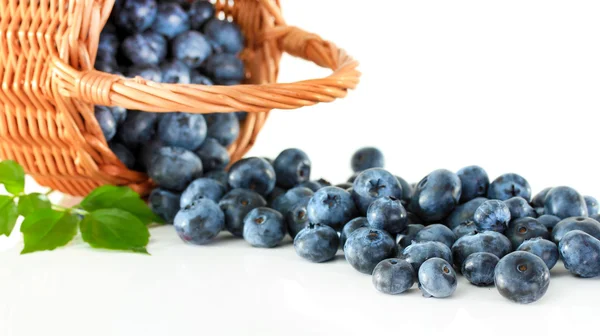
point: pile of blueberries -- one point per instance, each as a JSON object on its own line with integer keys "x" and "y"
{"x": 171, "y": 41}
{"x": 448, "y": 223}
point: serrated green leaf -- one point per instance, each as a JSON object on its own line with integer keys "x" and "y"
{"x": 113, "y": 197}
{"x": 12, "y": 176}
{"x": 47, "y": 229}
{"x": 8, "y": 215}
{"x": 115, "y": 229}
{"x": 32, "y": 202}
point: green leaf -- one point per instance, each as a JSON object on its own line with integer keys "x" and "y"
{"x": 12, "y": 176}
{"x": 32, "y": 202}
{"x": 115, "y": 229}
{"x": 47, "y": 229}
{"x": 113, "y": 197}
{"x": 8, "y": 215}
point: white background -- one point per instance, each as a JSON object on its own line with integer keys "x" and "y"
{"x": 511, "y": 86}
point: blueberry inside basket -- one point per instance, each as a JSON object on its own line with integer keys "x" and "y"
{"x": 50, "y": 87}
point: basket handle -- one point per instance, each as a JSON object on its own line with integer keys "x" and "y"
{"x": 100, "y": 88}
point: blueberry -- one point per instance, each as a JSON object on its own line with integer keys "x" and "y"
{"x": 464, "y": 213}
{"x": 191, "y": 48}
{"x": 184, "y": 130}
{"x": 587, "y": 225}
{"x": 252, "y": 173}
{"x": 146, "y": 48}
{"x": 464, "y": 229}
{"x": 123, "y": 154}
{"x": 548, "y": 221}
{"x": 331, "y": 206}
{"x": 509, "y": 185}
{"x": 492, "y": 215}
{"x": 417, "y": 253}
{"x": 171, "y": 20}
{"x": 365, "y": 158}
{"x": 138, "y": 129}
{"x": 264, "y": 227}
{"x": 539, "y": 200}
{"x": 522, "y": 229}
{"x": 312, "y": 185}
{"x": 437, "y": 278}
{"x": 564, "y": 202}
{"x": 174, "y": 168}
{"x": 291, "y": 197}
{"x": 108, "y": 66}
{"x": 108, "y": 45}
{"x": 522, "y": 277}
{"x": 519, "y": 208}
{"x": 200, "y": 12}
{"x": 274, "y": 194}
{"x": 136, "y": 15}
{"x": 543, "y": 248}
{"x": 350, "y": 227}
{"x": 292, "y": 167}
{"x": 406, "y": 237}
{"x": 199, "y": 222}
{"x": 352, "y": 178}
{"x": 387, "y": 213}
{"x": 489, "y": 241}
{"x": 413, "y": 219}
{"x": 393, "y": 276}
{"x": 474, "y": 183}
{"x": 213, "y": 155}
{"x": 479, "y": 267}
{"x": 119, "y": 113}
{"x": 175, "y": 72}
{"x": 317, "y": 243}
{"x": 366, "y": 247}
{"x": 580, "y": 253}
{"x": 198, "y": 78}
{"x": 241, "y": 115}
{"x": 147, "y": 72}
{"x": 107, "y": 122}
{"x": 407, "y": 190}
{"x": 344, "y": 185}
{"x": 236, "y": 204}
{"x": 147, "y": 152}
{"x": 202, "y": 188}
{"x": 595, "y": 217}
{"x": 226, "y": 35}
{"x": 223, "y": 127}
{"x": 436, "y": 195}
{"x": 436, "y": 232}
{"x": 297, "y": 217}
{"x": 224, "y": 69}
{"x": 164, "y": 204}
{"x": 372, "y": 184}
{"x": 218, "y": 175}
{"x": 592, "y": 205}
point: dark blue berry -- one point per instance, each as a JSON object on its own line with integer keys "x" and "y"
{"x": 147, "y": 72}
{"x": 123, "y": 154}
{"x": 366, "y": 247}
{"x": 436, "y": 195}
{"x": 119, "y": 113}
{"x": 539, "y": 199}
{"x": 406, "y": 237}
{"x": 344, "y": 185}
{"x": 252, "y": 173}
{"x": 164, "y": 203}
{"x": 564, "y": 202}
{"x": 185, "y": 130}
{"x": 226, "y": 35}
{"x": 224, "y": 69}
{"x": 365, "y": 158}
{"x": 542, "y": 248}
{"x": 236, "y": 204}
{"x": 580, "y": 253}
{"x": 350, "y": 227}
{"x": 199, "y": 222}
{"x": 198, "y": 78}
{"x": 417, "y": 253}
{"x": 464, "y": 213}
{"x": 174, "y": 168}
{"x": 436, "y": 232}
{"x": 437, "y": 278}
{"x": 297, "y": 217}
{"x": 489, "y": 241}
{"x": 509, "y": 185}
{"x": 387, "y": 213}
{"x": 107, "y": 122}
{"x": 372, "y": 184}
{"x": 548, "y": 221}
{"x": 592, "y": 205}
{"x": 200, "y": 12}
{"x": 407, "y": 190}
{"x": 138, "y": 129}
{"x": 317, "y": 243}
{"x": 213, "y": 155}
{"x": 479, "y": 267}
{"x": 218, "y": 175}
{"x": 331, "y": 206}
{"x": 223, "y": 127}
{"x": 393, "y": 276}
{"x": 136, "y": 15}
{"x": 290, "y": 198}
{"x": 175, "y": 72}
{"x": 519, "y": 208}
{"x": 171, "y": 20}
{"x": 108, "y": 45}
{"x": 202, "y": 188}
{"x": 474, "y": 183}
{"x": 292, "y": 167}
{"x": 312, "y": 185}
{"x": 264, "y": 227}
{"x": 585, "y": 224}
{"x": 492, "y": 215}
{"x": 522, "y": 277}
{"x": 274, "y": 194}
{"x": 191, "y": 48}
{"x": 146, "y": 48}
{"x": 464, "y": 229}
{"x": 522, "y": 229}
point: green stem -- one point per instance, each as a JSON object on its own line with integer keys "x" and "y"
{"x": 70, "y": 210}
{"x": 47, "y": 193}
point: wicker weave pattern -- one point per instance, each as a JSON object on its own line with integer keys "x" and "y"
{"x": 49, "y": 87}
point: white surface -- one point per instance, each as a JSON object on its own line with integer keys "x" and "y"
{"x": 512, "y": 86}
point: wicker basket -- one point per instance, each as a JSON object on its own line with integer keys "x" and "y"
{"x": 49, "y": 87}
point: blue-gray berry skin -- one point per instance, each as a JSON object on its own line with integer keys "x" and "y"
{"x": 123, "y": 154}
{"x": 224, "y": 69}
{"x": 223, "y": 127}
{"x": 107, "y": 122}
{"x": 213, "y": 155}
{"x": 580, "y": 253}
{"x": 539, "y": 199}
{"x": 199, "y": 222}
{"x": 509, "y": 185}
{"x": 202, "y": 188}
{"x": 148, "y": 72}
{"x": 413, "y": 219}
{"x": 226, "y": 36}
{"x": 436, "y": 232}
{"x": 366, "y": 247}
{"x": 437, "y": 278}
{"x": 464, "y": 213}
{"x": 585, "y": 224}
{"x": 417, "y": 253}
{"x": 436, "y": 195}
{"x": 171, "y": 20}
{"x": 492, "y": 215}
{"x": 522, "y": 277}
{"x": 273, "y": 195}
{"x": 387, "y": 213}
{"x": 596, "y": 217}
{"x": 464, "y": 229}
{"x": 393, "y": 276}
{"x": 312, "y": 185}
{"x": 119, "y": 113}
{"x": 297, "y": 218}
{"x": 407, "y": 190}
{"x": 184, "y": 130}
{"x": 108, "y": 45}
{"x": 292, "y": 167}
{"x": 174, "y": 168}
{"x": 372, "y": 184}
{"x": 200, "y": 12}
{"x": 592, "y": 205}
{"x": 406, "y": 237}
{"x": 523, "y": 229}
{"x": 564, "y": 202}
{"x": 138, "y": 129}
{"x": 542, "y": 248}
{"x": 366, "y": 158}
{"x": 146, "y": 153}
{"x": 236, "y": 204}
{"x": 331, "y": 206}
{"x": 519, "y": 208}
{"x": 164, "y": 203}
{"x": 218, "y": 175}
{"x": 474, "y": 183}
{"x": 135, "y": 15}
{"x": 479, "y": 267}
{"x": 285, "y": 202}
{"x": 175, "y": 72}
{"x": 548, "y": 221}
{"x": 489, "y": 241}
{"x": 351, "y": 226}
{"x": 191, "y": 48}
{"x": 264, "y": 227}
{"x": 197, "y": 78}
{"x": 317, "y": 243}
{"x": 147, "y": 48}
{"x": 252, "y": 173}
{"x": 344, "y": 185}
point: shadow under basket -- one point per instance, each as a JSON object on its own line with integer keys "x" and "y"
{"x": 50, "y": 87}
